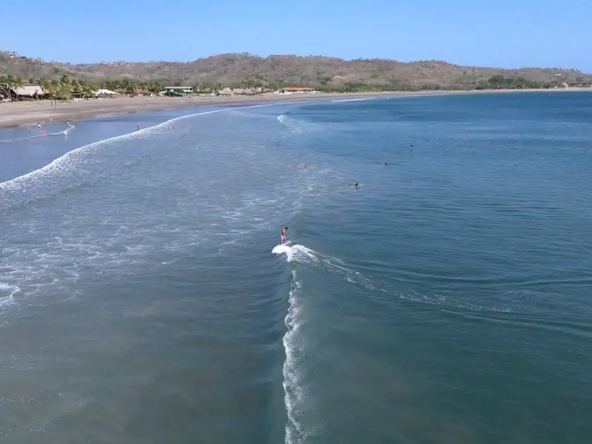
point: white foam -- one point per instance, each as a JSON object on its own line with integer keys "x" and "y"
{"x": 7, "y": 289}
{"x": 70, "y": 166}
{"x": 283, "y": 249}
{"x": 71, "y": 253}
{"x": 352, "y": 100}
{"x": 293, "y": 389}
{"x": 297, "y": 126}
{"x": 64, "y": 132}
{"x": 149, "y": 130}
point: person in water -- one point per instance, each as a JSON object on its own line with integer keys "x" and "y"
{"x": 357, "y": 184}
{"x": 283, "y": 235}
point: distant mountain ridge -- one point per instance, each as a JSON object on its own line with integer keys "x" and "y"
{"x": 321, "y": 72}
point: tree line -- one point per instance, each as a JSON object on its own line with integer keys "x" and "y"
{"x": 67, "y": 87}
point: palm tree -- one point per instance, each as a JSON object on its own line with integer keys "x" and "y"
{"x": 76, "y": 88}
{"x": 65, "y": 80}
{"x": 5, "y": 86}
{"x": 18, "y": 82}
{"x": 90, "y": 90}
{"x": 50, "y": 87}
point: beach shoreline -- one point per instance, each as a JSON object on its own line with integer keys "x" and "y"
{"x": 22, "y": 114}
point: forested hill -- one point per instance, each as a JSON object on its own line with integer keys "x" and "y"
{"x": 325, "y": 73}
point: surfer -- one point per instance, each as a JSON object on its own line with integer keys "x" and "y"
{"x": 283, "y": 235}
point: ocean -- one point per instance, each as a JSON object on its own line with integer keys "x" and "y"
{"x": 444, "y": 300}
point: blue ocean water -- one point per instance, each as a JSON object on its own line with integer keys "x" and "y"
{"x": 444, "y": 300}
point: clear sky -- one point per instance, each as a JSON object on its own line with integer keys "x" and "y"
{"x": 500, "y": 33}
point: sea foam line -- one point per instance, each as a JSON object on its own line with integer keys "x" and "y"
{"x": 293, "y": 392}
{"x": 352, "y": 100}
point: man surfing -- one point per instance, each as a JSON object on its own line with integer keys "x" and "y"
{"x": 283, "y": 235}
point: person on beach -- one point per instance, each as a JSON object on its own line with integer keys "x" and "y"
{"x": 283, "y": 235}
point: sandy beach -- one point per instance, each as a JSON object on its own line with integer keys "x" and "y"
{"x": 14, "y": 114}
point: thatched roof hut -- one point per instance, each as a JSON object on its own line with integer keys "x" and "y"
{"x": 28, "y": 91}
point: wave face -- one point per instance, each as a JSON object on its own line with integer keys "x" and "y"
{"x": 144, "y": 296}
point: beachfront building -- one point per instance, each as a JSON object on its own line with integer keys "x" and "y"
{"x": 27, "y": 92}
{"x": 297, "y": 90}
{"x": 103, "y": 92}
{"x": 243, "y": 92}
{"x": 178, "y": 90}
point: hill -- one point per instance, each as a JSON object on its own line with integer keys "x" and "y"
{"x": 325, "y": 73}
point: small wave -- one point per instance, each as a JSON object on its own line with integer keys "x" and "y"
{"x": 335, "y": 266}
{"x": 360, "y": 99}
{"x": 296, "y": 126}
{"x": 64, "y": 132}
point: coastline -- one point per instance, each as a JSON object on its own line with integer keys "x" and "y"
{"x": 19, "y": 114}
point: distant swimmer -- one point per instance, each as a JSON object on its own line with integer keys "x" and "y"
{"x": 384, "y": 163}
{"x": 305, "y": 166}
{"x": 356, "y": 185}
{"x": 283, "y": 235}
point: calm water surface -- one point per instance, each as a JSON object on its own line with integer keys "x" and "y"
{"x": 445, "y": 300}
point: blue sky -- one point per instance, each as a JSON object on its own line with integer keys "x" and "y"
{"x": 473, "y": 32}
